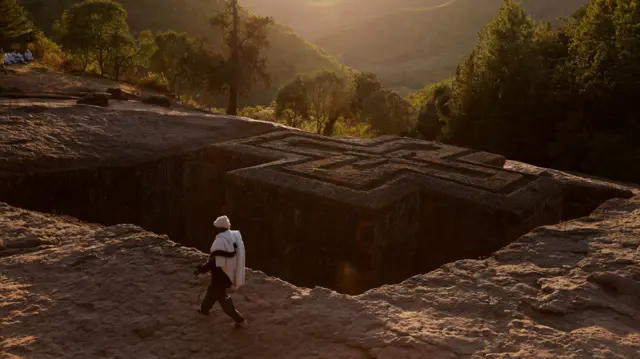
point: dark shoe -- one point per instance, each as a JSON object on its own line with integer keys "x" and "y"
{"x": 241, "y": 324}
{"x": 203, "y": 313}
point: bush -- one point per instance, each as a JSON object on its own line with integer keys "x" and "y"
{"x": 47, "y": 51}
{"x": 259, "y": 113}
{"x": 359, "y": 130}
{"x": 217, "y": 110}
{"x": 154, "y": 82}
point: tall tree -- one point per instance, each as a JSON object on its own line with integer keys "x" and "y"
{"x": 129, "y": 57}
{"x": 388, "y": 113}
{"x": 245, "y": 37}
{"x": 324, "y": 96}
{"x": 385, "y": 111}
{"x": 364, "y": 85}
{"x": 187, "y": 64}
{"x": 434, "y": 111}
{"x": 562, "y": 98}
{"x": 605, "y": 53}
{"x": 498, "y": 88}
{"x": 292, "y": 103}
{"x": 604, "y": 73}
{"x": 119, "y": 59}
{"x": 92, "y": 29}
{"x": 13, "y": 21}
{"x": 140, "y": 63}
{"x": 328, "y": 93}
{"x": 172, "y": 59}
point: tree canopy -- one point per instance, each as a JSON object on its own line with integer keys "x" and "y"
{"x": 96, "y": 30}
{"x": 245, "y": 39}
{"x": 555, "y": 97}
{"x": 326, "y": 97}
{"x": 293, "y": 103}
{"x": 173, "y": 59}
{"x": 13, "y": 22}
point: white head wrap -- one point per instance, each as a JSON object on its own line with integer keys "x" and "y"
{"x": 222, "y": 222}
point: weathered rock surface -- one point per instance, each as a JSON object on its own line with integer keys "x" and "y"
{"x": 95, "y": 99}
{"x": 86, "y": 291}
{"x": 34, "y": 79}
{"x": 117, "y": 93}
{"x": 582, "y": 194}
{"x": 10, "y": 90}
{"x": 163, "y": 101}
{"x": 57, "y": 136}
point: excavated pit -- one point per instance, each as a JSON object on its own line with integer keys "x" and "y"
{"x": 316, "y": 211}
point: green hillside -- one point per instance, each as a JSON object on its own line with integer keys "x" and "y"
{"x": 408, "y": 43}
{"x": 288, "y": 54}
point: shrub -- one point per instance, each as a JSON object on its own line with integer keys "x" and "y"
{"x": 154, "y": 82}
{"x": 47, "y": 51}
{"x": 261, "y": 113}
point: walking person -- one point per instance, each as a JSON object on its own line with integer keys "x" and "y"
{"x": 226, "y": 265}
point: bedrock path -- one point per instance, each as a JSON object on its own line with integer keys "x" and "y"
{"x": 75, "y": 290}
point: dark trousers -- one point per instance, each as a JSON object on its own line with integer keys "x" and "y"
{"x": 217, "y": 293}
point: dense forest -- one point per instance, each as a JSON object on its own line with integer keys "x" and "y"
{"x": 561, "y": 97}
{"x": 555, "y": 96}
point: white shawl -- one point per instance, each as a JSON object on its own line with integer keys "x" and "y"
{"x": 233, "y": 267}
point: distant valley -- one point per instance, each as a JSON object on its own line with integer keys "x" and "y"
{"x": 408, "y": 43}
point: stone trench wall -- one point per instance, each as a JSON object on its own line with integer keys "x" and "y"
{"x": 177, "y": 196}
{"x": 314, "y": 241}
{"x": 460, "y": 230}
{"x": 308, "y": 231}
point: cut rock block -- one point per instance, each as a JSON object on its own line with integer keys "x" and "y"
{"x": 352, "y": 216}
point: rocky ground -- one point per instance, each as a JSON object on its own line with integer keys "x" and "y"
{"x": 574, "y": 178}
{"x": 76, "y": 290}
{"x": 40, "y": 135}
{"x": 37, "y": 79}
